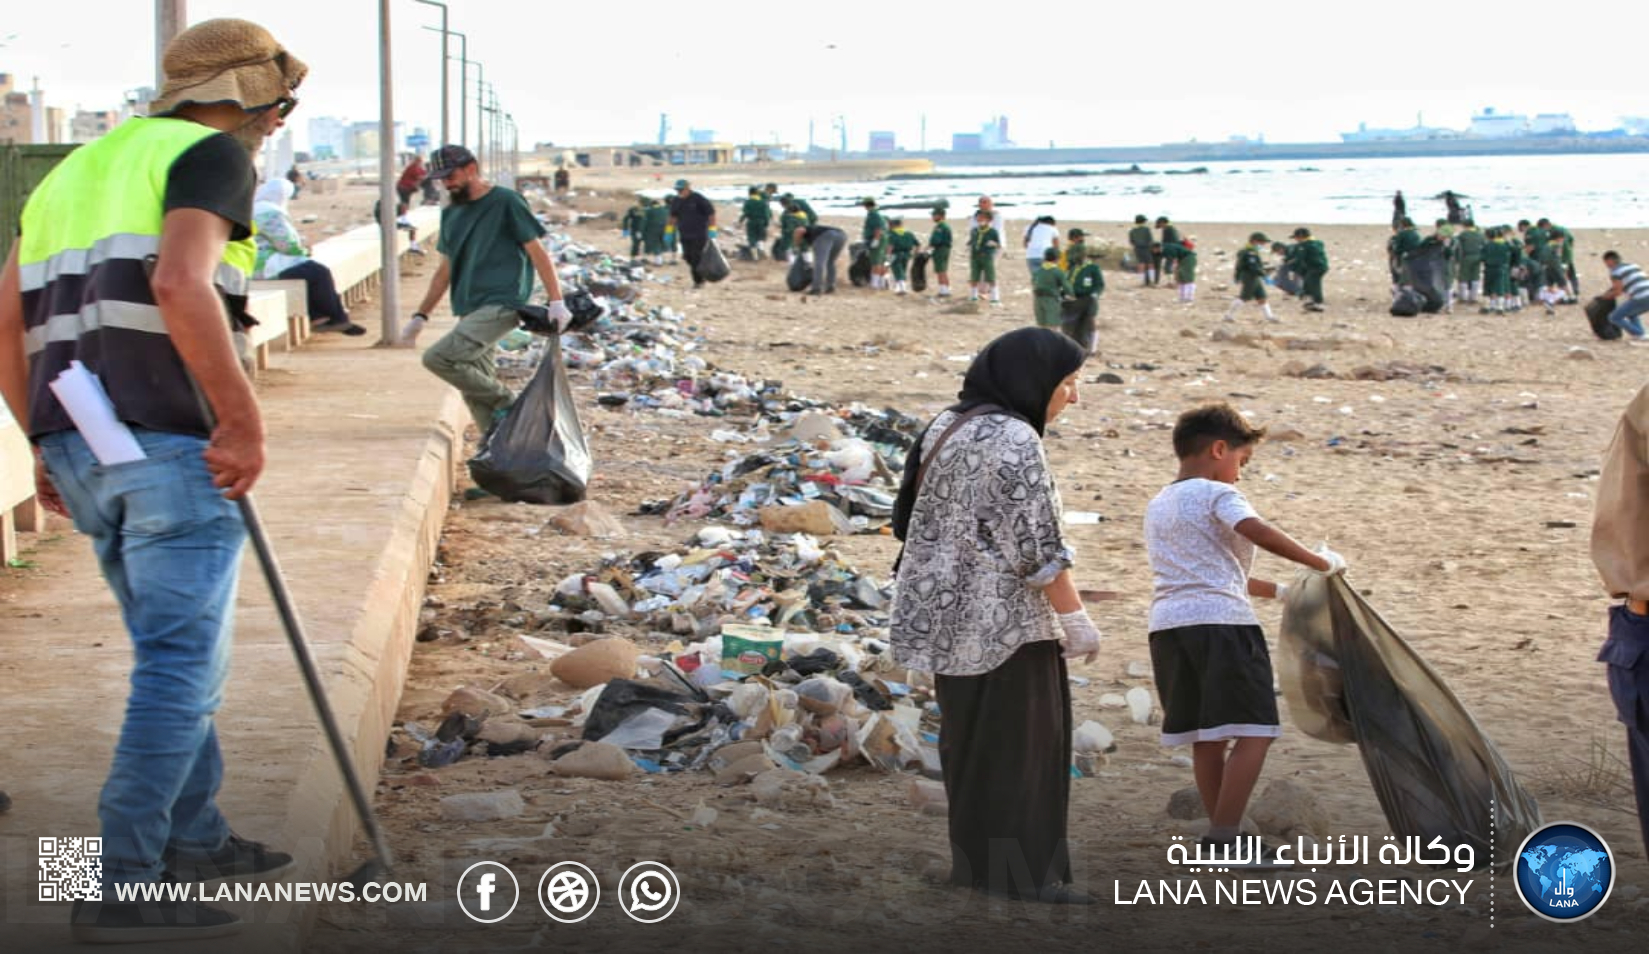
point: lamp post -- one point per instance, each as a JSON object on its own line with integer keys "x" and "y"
{"x": 170, "y": 18}
{"x": 463, "y": 85}
{"x": 444, "y": 57}
{"x": 389, "y": 261}
{"x": 480, "y": 128}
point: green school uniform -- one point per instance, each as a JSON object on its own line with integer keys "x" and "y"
{"x": 807, "y": 210}
{"x": 789, "y": 222}
{"x": 982, "y": 246}
{"x": 1310, "y": 260}
{"x": 1141, "y": 239}
{"x": 939, "y": 243}
{"x": 1087, "y": 281}
{"x": 1497, "y": 267}
{"x": 1469, "y": 246}
{"x": 652, "y": 228}
{"x": 1250, "y": 273}
{"x": 633, "y": 222}
{"x": 901, "y": 245}
{"x": 756, "y": 216}
{"x": 1048, "y": 287}
{"x": 1185, "y": 272}
{"x": 877, "y": 247}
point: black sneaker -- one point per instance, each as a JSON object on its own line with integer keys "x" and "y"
{"x": 346, "y": 327}
{"x": 239, "y": 860}
{"x": 109, "y": 922}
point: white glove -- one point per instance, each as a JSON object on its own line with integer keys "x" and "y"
{"x": 558, "y": 313}
{"x": 1336, "y": 562}
{"x": 1081, "y": 636}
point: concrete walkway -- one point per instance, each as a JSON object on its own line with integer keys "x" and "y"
{"x": 362, "y": 447}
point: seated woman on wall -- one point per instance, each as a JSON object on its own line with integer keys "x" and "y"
{"x": 281, "y": 254}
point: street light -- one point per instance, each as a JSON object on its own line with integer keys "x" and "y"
{"x": 463, "y": 84}
{"x": 480, "y": 120}
{"x": 444, "y": 57}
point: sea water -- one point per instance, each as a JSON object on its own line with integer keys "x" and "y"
{"x": 1586, "y": 191}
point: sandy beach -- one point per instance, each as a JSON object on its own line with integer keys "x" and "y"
{"x": 1451, "y": 460}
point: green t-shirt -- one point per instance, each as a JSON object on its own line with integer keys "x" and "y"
{"x": 483, "y": 242}
{"x": 940, "y": 237}
{"x": 874, "y": 222}
{"x": 757, "y": 212}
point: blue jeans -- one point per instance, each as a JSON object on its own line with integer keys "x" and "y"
{"x": 169, "y": 545}
{"x": 1625, "y": 316}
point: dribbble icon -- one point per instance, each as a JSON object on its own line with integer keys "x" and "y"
{"x": 480, "y": 892}
{"x": 1564, "y": 872}
{"x": 648, "y": 892}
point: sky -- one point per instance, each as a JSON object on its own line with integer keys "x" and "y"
{"x": 599, "y": 72}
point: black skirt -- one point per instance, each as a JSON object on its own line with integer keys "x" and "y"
{"x": 1005, "y": 747}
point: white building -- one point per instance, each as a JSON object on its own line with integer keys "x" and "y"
{"x": 1552, "y": 124}
{"x": 1492, "y": 125}
{"x": 329, "y": 136}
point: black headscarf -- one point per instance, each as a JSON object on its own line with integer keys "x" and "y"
{"x": 1017, "y": 373}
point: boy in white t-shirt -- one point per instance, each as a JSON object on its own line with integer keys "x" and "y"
{"x": 1208, "y": 654}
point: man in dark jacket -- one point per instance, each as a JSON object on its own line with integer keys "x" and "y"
{"x": 693, "y": 218}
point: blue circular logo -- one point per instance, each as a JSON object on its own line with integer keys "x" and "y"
{"x": 1564, "y": 871}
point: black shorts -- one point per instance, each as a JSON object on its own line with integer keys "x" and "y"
{"x": 1215, "y": 683}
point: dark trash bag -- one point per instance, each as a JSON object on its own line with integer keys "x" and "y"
{"x": 919, "y": 272}
{"x": 1597, "y": 313}
{"x": 779, "y": 251}
{"x": 859, "y": 272}
{"x": 1287, "y": 281}
{"x": 1428, "y": 274}
{"x": 624, "y": 698}
{"x": 712, "y": 264}
{"x": 537, "y": 454}
{"x": 800, "y": 275}
{"x": 1349, "y": 676}
{"x": 1407, "y": 303}
{"x": 585, "y": 311}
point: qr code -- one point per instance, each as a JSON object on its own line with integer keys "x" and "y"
{"x": 71, "y": 869}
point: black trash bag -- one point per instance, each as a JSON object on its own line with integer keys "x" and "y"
{"x": 859, "y": 272}
{"x": 1286, "y": 280}
{"x": 537, "y": 453}
{"x": 713, "y": 264}
{"x": 919, "y": 272}
{"x": 1428, "y": 273}
{"x": 1597, "y": 313}
{"x": 800, "y": 275}
{"x": 1349, "y": 676}
{"x": 585, "y": 310}
{"x": 624, "y": 698}
{"x": 1407, "y": 303}
{"x": 779, "y": 252}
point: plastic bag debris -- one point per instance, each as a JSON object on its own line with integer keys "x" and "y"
{"x": 537, "y": 453}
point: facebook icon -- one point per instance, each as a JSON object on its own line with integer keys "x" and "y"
{"x": 477, "y": 886}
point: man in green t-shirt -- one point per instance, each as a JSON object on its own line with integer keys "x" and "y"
{"x": 489, "y": 251}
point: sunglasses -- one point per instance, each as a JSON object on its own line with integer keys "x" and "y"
{"x": 285, "y": 105}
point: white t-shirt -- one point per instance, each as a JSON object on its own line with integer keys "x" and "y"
{"x": 1199, "y": 562}
{"x": 1038, "y": 239}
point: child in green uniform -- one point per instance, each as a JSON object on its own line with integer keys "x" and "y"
{"x": 1469, "y": 247}
{"x": 1186, "y": 272}
{"x": 654, "y": 216}
{"x": 983, "y": 241}
{"x": 1087, "y": 284}
{"x": 939, "y": 245}
{"x": 756, "y": 215}
{"x": 1310, "y": 259}
{"x": 1049, "y": 287}
{"x": 1497, "y": 272}
{"x": 901, "y": 245}
{"x": 632, "y": 225}
{"x": 875, "y": 239}
{"x": 1141, "y": 238}
{"x": 1250, "y": 275}
{"x": 790, "y": 220}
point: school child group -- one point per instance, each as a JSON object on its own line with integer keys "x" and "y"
{"x": 1505, "y": 269}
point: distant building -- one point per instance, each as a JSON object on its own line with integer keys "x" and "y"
{"x": 882, "y": 142}
{"x": 966, "y": 142}
{"x": 701, "y": 137}
{"x": 16, "y": 112}
{"x": 994, "y": 134}
{"x": 363, "y": 141}
{"x": 328, "y": 138}
{"x": 88, "y": 125}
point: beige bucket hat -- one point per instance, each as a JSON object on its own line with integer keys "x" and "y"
{"x": 226, "y": 61}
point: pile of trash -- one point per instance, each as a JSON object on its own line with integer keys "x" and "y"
{"x": 721, "y": 575}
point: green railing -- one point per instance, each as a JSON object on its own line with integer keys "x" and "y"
{"x": 21, "y": 169}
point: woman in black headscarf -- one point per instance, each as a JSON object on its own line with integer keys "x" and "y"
{"x": 986, "y": 602}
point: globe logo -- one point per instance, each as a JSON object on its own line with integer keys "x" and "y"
{"x": 1564, "y": 872}
{"x": 567, "y": 892}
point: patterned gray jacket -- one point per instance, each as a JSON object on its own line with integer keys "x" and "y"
{"x": 984, "y": 539}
